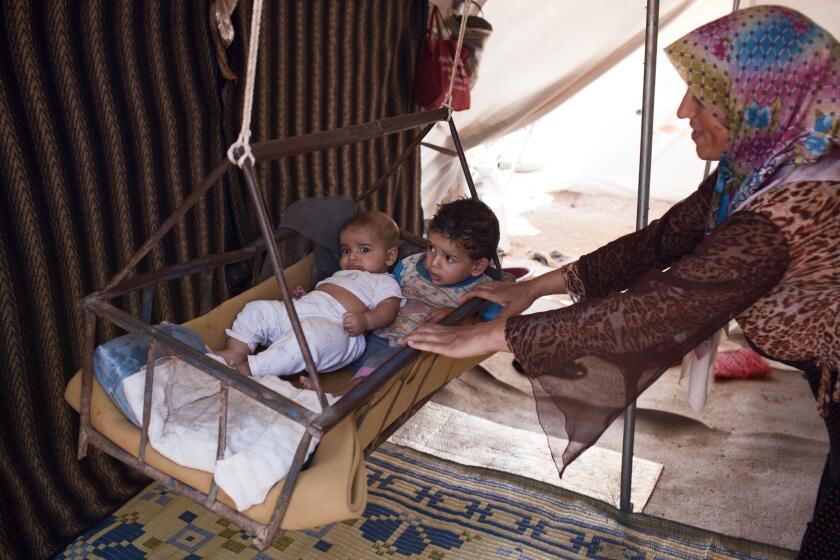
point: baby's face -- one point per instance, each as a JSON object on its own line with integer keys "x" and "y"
{"x": 361, "y": 249}
{"x": 448, "y": 262}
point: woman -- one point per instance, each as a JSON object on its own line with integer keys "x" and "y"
{"x": 758, "y": 241}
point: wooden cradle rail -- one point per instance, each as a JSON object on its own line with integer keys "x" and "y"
{"x": 398, "y": 376}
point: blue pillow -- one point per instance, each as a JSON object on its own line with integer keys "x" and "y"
{"x": 125, "y": 355}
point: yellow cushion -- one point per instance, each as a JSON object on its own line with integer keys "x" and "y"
{"x": 333, "y": 488}
{"x": 337, "y": 467}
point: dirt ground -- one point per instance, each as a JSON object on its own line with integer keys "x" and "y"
{"x": 747, "y": 466}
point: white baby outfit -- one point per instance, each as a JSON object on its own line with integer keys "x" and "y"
{"x": 266, "y": 323}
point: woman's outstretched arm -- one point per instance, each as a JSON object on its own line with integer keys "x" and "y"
{"x": 615, "y": 266}
{"x": 726, "y": 273}
{"x": 621, "y": 263}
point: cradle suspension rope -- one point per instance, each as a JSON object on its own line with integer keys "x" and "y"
{"x": 447, "y": 102}
{"x": 243, "y": 143}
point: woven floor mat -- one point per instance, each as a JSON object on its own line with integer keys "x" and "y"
{"x": 419, "y": 506}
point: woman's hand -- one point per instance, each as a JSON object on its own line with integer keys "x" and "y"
{"x": 460, "y": 342}
{"x": 514, "y": 298}
{"x": 517, "y": 297}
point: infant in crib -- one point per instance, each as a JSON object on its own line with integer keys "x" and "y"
{"x": 462, "y": 240}
{"x": 335, "y": 316}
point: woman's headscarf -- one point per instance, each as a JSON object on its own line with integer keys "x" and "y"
{"x": 772, "y": 77}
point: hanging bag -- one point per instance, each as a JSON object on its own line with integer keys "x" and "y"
{"x": 431, "y": 81}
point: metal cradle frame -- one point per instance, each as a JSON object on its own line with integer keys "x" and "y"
{"x": 358, "y": 401}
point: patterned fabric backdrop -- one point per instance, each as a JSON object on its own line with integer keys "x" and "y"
{"x": 326, "y": 65}
{"x": 110, "y": 112}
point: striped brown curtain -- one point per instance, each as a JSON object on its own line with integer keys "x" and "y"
{"x": 326, "y": 65}
{"x": 110, "y": 112}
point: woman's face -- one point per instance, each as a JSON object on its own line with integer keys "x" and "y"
{"x": 708, "y": 134}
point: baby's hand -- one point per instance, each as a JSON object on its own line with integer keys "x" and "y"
{"x": 298, "y": 292}
{"x": 355, "y": 323}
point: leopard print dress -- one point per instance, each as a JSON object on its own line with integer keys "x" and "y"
{"x": 646, "y": 299}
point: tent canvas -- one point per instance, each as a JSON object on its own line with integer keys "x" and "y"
{"x": 577, "y": 80}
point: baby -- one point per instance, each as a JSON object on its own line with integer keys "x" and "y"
{"x": 335, "y": 316}
{"x": 462, "y": 240}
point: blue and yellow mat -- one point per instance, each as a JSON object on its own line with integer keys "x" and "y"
{"x": 418, "y": 507}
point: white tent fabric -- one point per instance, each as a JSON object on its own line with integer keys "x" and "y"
{"x": 580, "y": 73}
{"x": 542, "y": 53}
{"x": 602, "y": 154}
{"x": 584, "y": 162}
{"x": 539, "y": 55}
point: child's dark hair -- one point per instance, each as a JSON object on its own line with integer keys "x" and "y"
{"x": 469, "y": 223}
{"x": 381, "y": 223}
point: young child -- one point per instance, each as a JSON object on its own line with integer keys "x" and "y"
{"x": 335, "y": 316}
{"x": 463, "y": 237}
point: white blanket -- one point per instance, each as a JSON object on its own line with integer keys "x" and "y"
{"x": 184, "y": 427}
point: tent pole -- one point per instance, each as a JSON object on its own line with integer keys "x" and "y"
{"x": 465, "y": 167}
{"x": 642, "y": 207}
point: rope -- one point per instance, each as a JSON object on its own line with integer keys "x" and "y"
{"x": 243, "y": 142}
{"x": 448, "y": 101}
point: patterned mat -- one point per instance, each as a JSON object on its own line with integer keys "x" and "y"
{"x": 418, "y": 507}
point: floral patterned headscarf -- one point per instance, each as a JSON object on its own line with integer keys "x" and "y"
{"x": 772, "y": 77}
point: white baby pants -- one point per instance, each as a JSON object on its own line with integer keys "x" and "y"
{"x": 266, "y": 323}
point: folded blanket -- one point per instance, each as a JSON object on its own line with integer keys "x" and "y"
{"x": 184, "y": 427}
{"x": 123, "y": 356}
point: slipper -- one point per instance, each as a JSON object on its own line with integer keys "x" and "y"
{"x": 539, "y": 257}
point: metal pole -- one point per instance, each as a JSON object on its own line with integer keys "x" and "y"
{"x": 277, "y": 267}
{"x": 394, "y": 166}
{"x": 85, "y": 426}
{"x": 651, "y": 31}
{"x": 465, "y": 167}
{"x": 333, "y": 138}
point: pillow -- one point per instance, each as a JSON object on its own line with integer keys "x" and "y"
{"x": 119, "y": 358}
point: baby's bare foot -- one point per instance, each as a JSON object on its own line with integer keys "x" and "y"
{"x": 232, "y": 357}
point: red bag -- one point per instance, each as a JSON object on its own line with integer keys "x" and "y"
{"x": 431, "y": 81}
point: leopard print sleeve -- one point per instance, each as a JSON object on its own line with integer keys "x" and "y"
{"x": 619, "y": 264}
{"x": 588, "y": 361}
{"x": 573, "y": 281}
